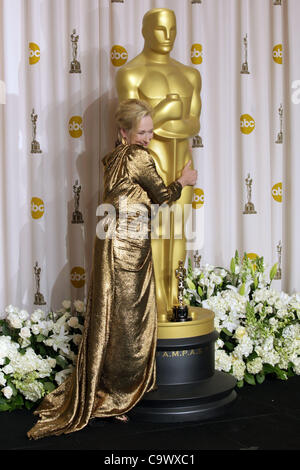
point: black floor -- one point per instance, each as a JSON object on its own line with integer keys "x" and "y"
{"x": 263, "y": 417}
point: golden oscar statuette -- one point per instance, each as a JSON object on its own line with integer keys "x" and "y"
{"x": 75, "y": 64}
{"x": 180, "y": 310}
{"x": 35, "y": 145}
{"x": 249, "y": 206}
{"x": 38, "y": 296}
{"x": 173, "y": 91}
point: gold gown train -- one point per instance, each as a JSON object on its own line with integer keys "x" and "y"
{"x": 116, "y": 359}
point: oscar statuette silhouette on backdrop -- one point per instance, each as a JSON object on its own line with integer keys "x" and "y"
{"x": 173, "y": 91}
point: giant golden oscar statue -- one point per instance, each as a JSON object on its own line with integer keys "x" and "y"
{"x": 173, "y": 90}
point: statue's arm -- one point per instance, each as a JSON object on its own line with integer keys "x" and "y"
{"x": 128, "y": 87}
{"x": 189, "y": 125}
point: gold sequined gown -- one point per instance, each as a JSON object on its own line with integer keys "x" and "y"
{"x": 116, "y": 359}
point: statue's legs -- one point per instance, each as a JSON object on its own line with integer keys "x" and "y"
{"x": 168, "y": 236}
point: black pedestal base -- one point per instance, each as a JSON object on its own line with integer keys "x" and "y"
{"x": 189, "y": 387}
{"x": 188, "y": 402}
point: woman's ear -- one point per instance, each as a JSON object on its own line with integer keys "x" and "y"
{"x": 123, "y": 133}
{"x": 125, "y": 137}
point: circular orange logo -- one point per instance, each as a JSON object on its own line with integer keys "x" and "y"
{"x": 75, "y": 126}
{"x": 277, "y": 53}
{"x": 118, "y": 55}
{"x": 247, "y": 123}
{"x": 198, "y": 199}
{"x": 34, "y": 53}
{"x": 197, "y": 54}
{"x": 37, "y": 208}
{"x": 277, "y": 192}
{"x": 78, "y": 276}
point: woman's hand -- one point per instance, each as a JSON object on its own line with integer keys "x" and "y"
{"x": 188, "y": 175}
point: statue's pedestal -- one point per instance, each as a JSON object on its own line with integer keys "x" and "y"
{"x": 189, "y": 388}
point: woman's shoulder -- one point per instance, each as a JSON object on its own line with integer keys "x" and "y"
{"x": 136, "y": 151}
{"x": 136, "y": 148}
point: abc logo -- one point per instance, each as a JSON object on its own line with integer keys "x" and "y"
{"x": 198, "y": 199}
{"x": 196, "y": 54}
{"x": 75, "y": 126}
{"x": 247, "y": 123}
{"x": 34, "y": 53}
{"x": 277, "y": 53}
{"x": 37, "y": 208}
{"x": 77, "y": 276}
{"x": 118, "y": 55}
{"x": 277, "y": 192}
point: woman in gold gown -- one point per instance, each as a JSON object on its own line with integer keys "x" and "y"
{"x": 116, "y": 360}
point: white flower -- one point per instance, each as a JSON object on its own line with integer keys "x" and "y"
{"x": 59, "y": 341}
{"x": 240, "y": 332}
{"x": 14, "y": 321}
{"x": 7, "y": 391}
{"x": 61, "y": 376}
{"x": 296, "y": 364}
{"x": 2, "y": 378}
{"x": 35, "y": 329}
{"x": 25, "y": 332}
{"x": 244, "y": 348}
{"x": 24, "y": 342}
{"x": 45, "y": 327}
{"x": 8, "y": 369}
{"x": 238, "y": 369}
{"x": 66, "y": 304}
{"x": 32, "y": 391}
{"x": 37, "y": 315}
{"x": 52, "y": 362}
{"x": 255, "y": 366}
{"x": 7, "y": 348}
{"x": 73, "y": 322}
{"x": 23, "y": 315}
{"x": 77, "y": 339}
{"x": 79, "y": 306}
{"x": 222, "y": 360}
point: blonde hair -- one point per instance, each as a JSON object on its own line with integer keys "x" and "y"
{"x": 129, "y": 113}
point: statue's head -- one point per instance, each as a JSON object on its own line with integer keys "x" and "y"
{"x": 159, "y": 30}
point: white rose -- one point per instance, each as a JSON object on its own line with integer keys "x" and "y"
{"x": 2, "y": 379}
{"x": 79, "y": 306}
{"x": 36, "y": 316}
{"x": 25, "y": 332}
{"x": 77, "y": 339}
{"x": 24, "y": 342}
{"x": 240, "y": 332}
{"x": 8, "y": 369}
{"x": 52, "y": 362}
{"x": 35, "y": 329}
{"x": 73, "y": 322}
{"x": 14, "y": 321}
{"x": 61, "y": 376}
{"x": 23, "y": 315}
{"x": 66, "y": 304}
{"x": 7, "y": 392}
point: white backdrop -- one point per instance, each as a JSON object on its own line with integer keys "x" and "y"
{"x": 74, "y": 129}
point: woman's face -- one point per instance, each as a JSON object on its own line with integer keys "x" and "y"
{"x": 142, "y": 135}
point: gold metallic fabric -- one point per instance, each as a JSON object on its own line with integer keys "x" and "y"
{"x": 116, "y": 360}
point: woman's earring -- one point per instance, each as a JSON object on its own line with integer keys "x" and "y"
{"x": 124, "y": 141}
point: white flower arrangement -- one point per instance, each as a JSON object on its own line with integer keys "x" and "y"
{"x": 37, "y": 352}
{"x": 259, "y": 328}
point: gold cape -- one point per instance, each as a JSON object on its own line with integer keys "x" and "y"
{"x": 116, "y": 359}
